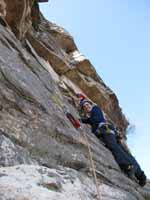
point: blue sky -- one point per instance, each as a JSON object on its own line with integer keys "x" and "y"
{"x": 115, "y": 36}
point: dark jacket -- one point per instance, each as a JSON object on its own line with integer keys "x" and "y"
{"x": 96, "y": 117}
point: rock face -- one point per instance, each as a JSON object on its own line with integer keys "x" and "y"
{"x": 2, "y": 8}
{"x": 18, "y": 16}
{"x": 38, "y": 183}
{"x": 42, "y": 155}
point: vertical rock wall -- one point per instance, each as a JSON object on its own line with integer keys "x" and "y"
{"x": 42, "y": 155}
{"x": 18, "y": 16}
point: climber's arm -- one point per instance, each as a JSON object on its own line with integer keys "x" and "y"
{"x": 86, "y": 120}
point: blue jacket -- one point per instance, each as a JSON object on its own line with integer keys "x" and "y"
{"x": 96, "y": 117}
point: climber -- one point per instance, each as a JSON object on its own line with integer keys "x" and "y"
{"x": 106, "y": 132}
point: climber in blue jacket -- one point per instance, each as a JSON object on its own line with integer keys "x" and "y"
{"x": 106, "y": 131}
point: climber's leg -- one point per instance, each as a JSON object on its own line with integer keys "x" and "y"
{"x": 139, "y": 174}
{"x": 120, "y": 155}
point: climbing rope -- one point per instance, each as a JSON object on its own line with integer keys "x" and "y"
{"x": 92, "y": 163}
{"x": 77, "y": 125}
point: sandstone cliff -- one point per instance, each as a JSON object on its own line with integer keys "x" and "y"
{"x": 42, "y": 156}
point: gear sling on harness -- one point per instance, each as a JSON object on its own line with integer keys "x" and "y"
{"x": 104, "y": 128}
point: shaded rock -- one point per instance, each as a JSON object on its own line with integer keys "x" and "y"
{"x": 12, "y": 154}
{"x": 18, "y": 16}
{"x": 64, "y": 39}
{"x": 83, "y": 65}
{"x": 2, "y": 8}
{"x": 114, "y": 193}
{"x": 56, "y": 59}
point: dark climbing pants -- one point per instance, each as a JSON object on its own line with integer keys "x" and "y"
{"x": 121, "y": 157}
{"x": 137, "y": 167}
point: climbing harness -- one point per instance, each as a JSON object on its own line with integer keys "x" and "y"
{"x": 105, "y": 128}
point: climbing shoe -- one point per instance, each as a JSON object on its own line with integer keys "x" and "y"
{"x": 130, "y": 171}
{"x": 142, "y": 179}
